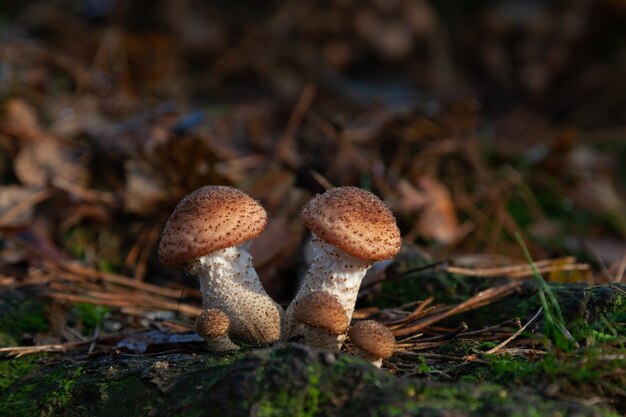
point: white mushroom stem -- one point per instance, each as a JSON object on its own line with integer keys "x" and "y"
{"x": 229, "y": 282}
{"x": 318, "y": 337}
{"x": 332, "y": 271}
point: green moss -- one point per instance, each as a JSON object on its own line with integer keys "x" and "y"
{"x": 290, "y": 380}
{"x": 459, "y": 347}
{"x": 444, "y": 287}
{"x": 91, "y": 316}
{"x": 298, "y": 400}
{"x": 19, "y": 316}
{"x": 39, "y": 393}
{"x": 119, "y": 396}
{"x": 12, "y": 369}
{"x": 60, "y": 396}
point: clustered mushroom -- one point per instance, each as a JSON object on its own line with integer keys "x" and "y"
{"x": 213, "y": 325}
{"x": 322, "y": 319}
{"x": 373, "y": 341}
{"x": 352, "y": 228}
{"x": 209, "y": 234}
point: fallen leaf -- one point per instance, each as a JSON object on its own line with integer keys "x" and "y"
{"x": 17, "y": 204}
{"x": 145, "y": 189}
{"x": 438, "y": 220}
{"x": 40, "y": 163}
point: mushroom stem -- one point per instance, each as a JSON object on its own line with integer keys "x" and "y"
{"x": 335, "y": 272}
{"x": 229, "y": 282}
{"x": 320, "y": 319}
{"x": 319, "y": 338}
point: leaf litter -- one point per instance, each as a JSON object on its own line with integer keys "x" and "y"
{"x": 93, "y": 159}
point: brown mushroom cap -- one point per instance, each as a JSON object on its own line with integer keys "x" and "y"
{"x": 322, "y": 310}
{"x": 373, "y": 337}
{"x": 355, "y": 221}
{"x": 212, "y": 323}
{"x": 209, "y": 219}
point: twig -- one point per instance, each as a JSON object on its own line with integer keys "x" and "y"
{"x": 136, "y": 301}
{"x": 19, "y": 351}
{"x": 514, "y": 335}
{"x": 24, "y": 205}
{"x": 284, "y": 146}
{"x": 93, "y": 274}
{"x": 516, "y": 271}
{"x": 479, "y": 300}
{"x": 404, "y": 274}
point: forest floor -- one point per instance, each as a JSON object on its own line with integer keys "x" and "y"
{"x": 484, "y": 127}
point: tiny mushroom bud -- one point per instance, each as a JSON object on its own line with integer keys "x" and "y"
{"x": 212, "y": 325}
{"x": 208, "y": 233}
{"x": 322, "y": 319}
{"x": 352, "y": 228}
{"x": 373, "y": 340}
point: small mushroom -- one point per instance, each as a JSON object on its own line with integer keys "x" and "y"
{"x": 352, "y": 228}
{"x": 373, "y": 341}
{"x": 322, "y": 319}
{"x": 212, "y": 325}
{"x": 209, "y": 234}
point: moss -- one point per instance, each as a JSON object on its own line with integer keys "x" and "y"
{"x": 299, "y": 381}
{"x": 444, "y": 287}
{"x": 290, "y": 380}
{"x": 18, "y": 316}
{"x": 299, "y": 400}
{"x": 13, "y": 369}
{"x": 90, "y": 316}
{"x": 127, "y": 395}
{"x": 44, "y": 392}
{"x": 459, "y": 347}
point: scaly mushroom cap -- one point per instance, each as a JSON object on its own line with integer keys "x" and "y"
{"x": 209, "y": 219}
{"x": 212, "y": 323}
{"x": 355, "y": 221}
{"x": 321, "y": 310}
{"x": 373, "y": 337}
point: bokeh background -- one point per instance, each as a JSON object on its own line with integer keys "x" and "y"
{"x": 472, "y": 120}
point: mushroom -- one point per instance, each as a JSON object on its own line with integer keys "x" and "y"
{"x": 373, "y": 341}
{"x": 322, "y": 319}
{"x": 351, "y": 228}
{"x": 212, "y": 325}
{"x": 209, "y": 234}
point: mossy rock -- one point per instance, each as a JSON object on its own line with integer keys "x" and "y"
{"x": 298, "y": 381}
{"x": 291, "y": 380}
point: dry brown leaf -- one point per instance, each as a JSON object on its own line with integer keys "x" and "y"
{"x": 41, "y": 163}
{"x": 21, "y": 119}
{"x": 17, "y": 204}
{"x": 411, "y": 199}
{"x": 438, "y": 220}
{"x": 271, "y": 187}
{"x": 144, "y": 187}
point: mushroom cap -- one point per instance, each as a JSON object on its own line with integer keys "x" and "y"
{"x": 355, "y": 221}
{"x": 209, "y": 219}
{"x": 212, "y": 323}
{"x": 373, "y": 337}
{"x": 322, "y": 310}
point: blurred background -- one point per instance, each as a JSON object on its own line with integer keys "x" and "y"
{"x": 472, "y": 120}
